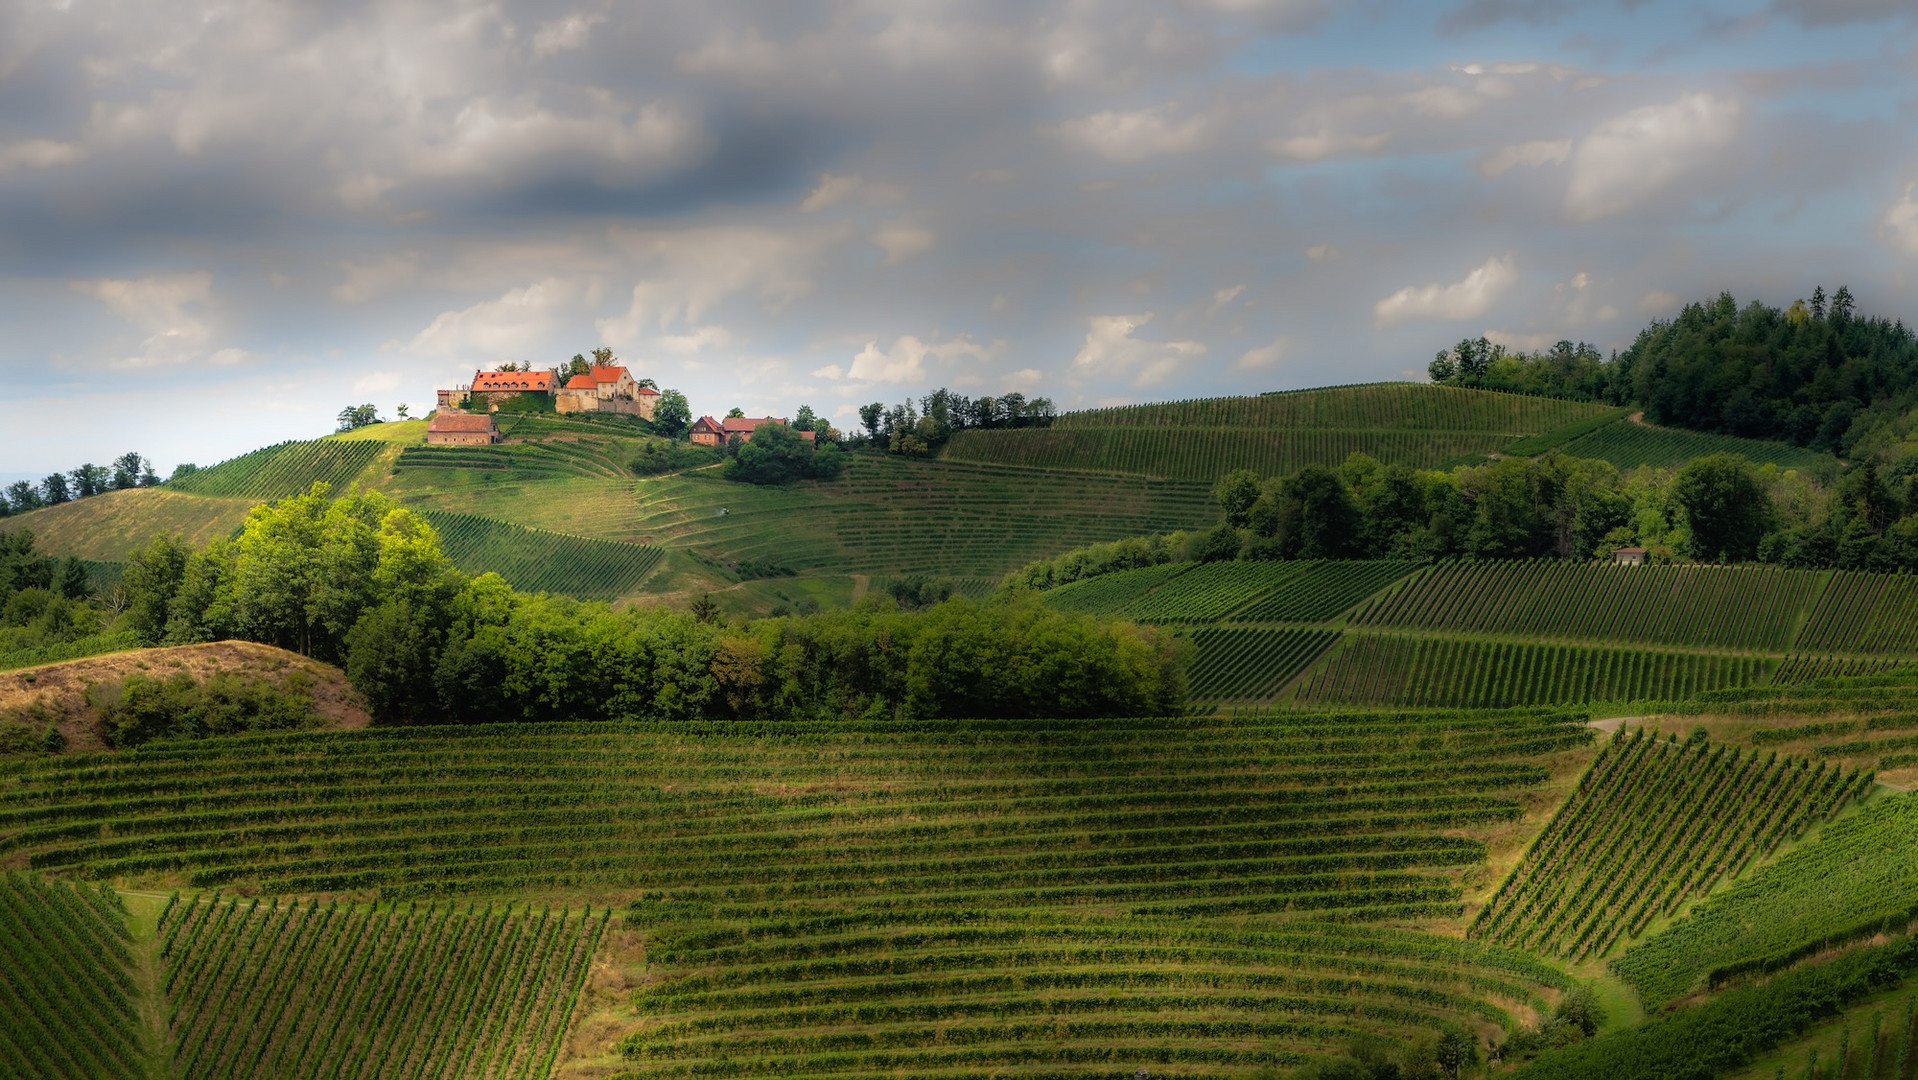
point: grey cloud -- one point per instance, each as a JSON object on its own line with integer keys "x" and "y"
{"x": 1827, "y": 12}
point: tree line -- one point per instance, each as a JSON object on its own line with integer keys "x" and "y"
{"x": 1720, "y": 508}
{"x": 1815, "y": 373}
{"x": 918, "y": 428}
{"x": 129, "y": 470}
{"x": 359, "y": 582}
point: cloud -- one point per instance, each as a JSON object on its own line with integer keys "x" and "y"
{"x": 38, "y": 154}
{"x": 687, "y": 273}
{"x": 1260, "y": 358}
{"x": 1321, "y": 252}
{"x": 1223, "y": 297}
{"x": 1629, "y": 158}
{"x": 830, "y": 190}
{"x": 1140, "y": 133}
{"x": 157, "y": 306}
{"x": 1530, "y": 154}
{"x": 1326, "y": 143}
{"x": 901, "y": 242}
{"x": 514, "y": 326}
{"x": 376, "y": 382}
{"x": 1467, "y": 298}
{"x": 1479, "y": 14}
{"x": 571, "y": 32}
{"x": 904, "y": 361}
{"x": 381, "y": 276}
{"x": 1900, "y": 222}
{"x": 1111, "y": 351}
{"x": 1660, "y": 302}
{"x": 1828, "y": 12}
{"x": 697, "y": 340}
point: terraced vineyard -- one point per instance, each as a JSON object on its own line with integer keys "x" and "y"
{"x": 540, "y": 561}
{"x": 270, "y": 989}
{"x": 286, "y": 469}
{"x": 887, "y": 515}
{"x": 1865, "y": 613}
{"x": 1629, "y": 445}
{"x": 1404, "y": 423}
{"x": 66, "y": 1003}
{"x": 1108, "y": 594}
{"x": 1252, "y": 663}
{"x": 1859, "y": 876}
{"x": 1443, "y": 672}
{"x": 1750, "y": 608}
{"x": 1298, "y": 591}
{"x": 524, "y": 461}
{"x": 1144, "y": 892}
{"x": 1652, "y": 825}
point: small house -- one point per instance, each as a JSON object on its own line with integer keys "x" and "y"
{"x": 461, "y": 429}
{"x": 707, "y": 431}
{"x": 1629, "y": 556}
{"x": 740, "y": 428}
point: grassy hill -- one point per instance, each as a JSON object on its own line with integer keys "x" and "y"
{"x": 1402, "y": 423}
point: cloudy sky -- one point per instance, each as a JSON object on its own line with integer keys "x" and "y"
{"x": 222, "y": 221}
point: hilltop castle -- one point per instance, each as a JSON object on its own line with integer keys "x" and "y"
{"x": 606, "y": 388}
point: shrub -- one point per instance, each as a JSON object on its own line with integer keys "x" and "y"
{"x": 140, "y": 708}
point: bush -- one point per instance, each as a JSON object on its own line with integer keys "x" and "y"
{"x": 776, "y": 454}
{"x": 140, "y": 709}
{"x": 663, "y": 455}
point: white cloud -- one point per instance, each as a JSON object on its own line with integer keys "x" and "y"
{"x": 1326, "y": 143}
{"x": 832, "y": 372}
{"x": 902, "y": 241}
{"x": 364, "y": 281}
{"x": 904, "y": 361}
{"x": 377, "y": 382}
{"x": 697, "y": 340}
{"x": 1262, "y": 357}
{"x": 1901, "y": 222}
{"x": 571, "y": 32}
{"x": 691, "y": 272}
{"x": 1321, "y": 252}
{"x": 499, "y": 138}
{"x": 1521, "y": 342}
{"x": 1111, "y": 351}
{"x": 158, "y": 307}
{"x": 1467, "y": 298}
{"x": 1629, "y": 158}
{"x": 831, "y": 189}
{"x": 1530, "y": 154}
{"x": 39, "y": 154}
{"x": 513, "y": 327}
{"x": 1223, "y": 297}
{"x": 1140, "y": 133}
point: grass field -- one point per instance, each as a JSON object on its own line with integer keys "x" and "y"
{"x": 1074, "y": 896}
{"x": 403, "y": 432}
{"x": 112, "y": 526}
{"x": 1400, "y": 423}
{"x": 1628, "y": 445}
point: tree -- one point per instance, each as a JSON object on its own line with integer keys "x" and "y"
{"x": 91, "y": 479}
{"x": 777, "y": 454}
{"x": 1725, "y": 506}
{"x": 354, "y": 417}
{"x": 53, "y": 489}
{"x": 647, "y": 383}
{"x": 871, "y": 417}
{"x": 152, "y": 578}
{"x": 603, "y": 356}
{"x": 735, "y": 413}
{"x": 1328, "y": 522}
{"x": 70, "y": 579}
{"x": 22, "y": 497}
{"x": 184, "y": 468}
{"x": 1456, "y": 1049}
{"x": 674, "y": 415}
{"x": 1236, "y": 491}
{"x": 401, "y": 410}
{"x": 1442, "y": 369}
{"x": 127, "y": 469}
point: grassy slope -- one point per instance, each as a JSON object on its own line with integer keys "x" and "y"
{"x": 111, "y": 526}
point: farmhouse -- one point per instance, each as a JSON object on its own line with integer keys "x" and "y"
{"x": 1629, "y": 556}
{"x": 742, "y": 427}
{"x": 607, "y": 388}
{"x": 461, "y": 429}
{"x": 707, "y": 431}
{"x": 496, "y": 386}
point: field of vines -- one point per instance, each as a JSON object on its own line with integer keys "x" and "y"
{"x": 1858, "y": 876}
{"x": 1252, "y": 663}
{"x": 1394, "y": 670}
{"x": 1373, "y": 407}
{"x": 1628, "y": 445}
{"x": 1865, "y": 613}
{"x": 1802, "y": 668}
{"x": 67, "y": 996}
{"x": 1651, "y": 825}
{"x": 1209, "y": 591}
{"x": 523, "y": 461}
{"x": 1108, "y": 594}
{"x": 1718, "y": 607}
{"x": 1323, "y": 589}
{"x": 286, "y": 469}
{"x": 261, "y": 988}
{"x": 538, "y": 561}
{"x": 1534, "y": 445}
{"x": 1175, "y": 593}
{"x": 1205, "y": 454}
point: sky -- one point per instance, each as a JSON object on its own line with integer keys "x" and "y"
{"x": 221, "y": 222}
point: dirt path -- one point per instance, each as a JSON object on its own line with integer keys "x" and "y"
{"x": 1613, "y": 723}
{"x": 155, "y": 1036}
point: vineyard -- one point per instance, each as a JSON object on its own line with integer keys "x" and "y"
{"x": 67, "y": 1001}
{"x": 1447, "y": 672}
{"x": 1629, "y": 445}
{"x": 538, "y": 561}
{"x": 286, "y": 469}
{"x": 1651, "y": 825}
{"x": 1752, "y": 608}
{"x": 1858, "y": 876}
{"x": 1299, "y": 591}
{"x": 260, "y": 988}
{"x": 1399, "y": 423}
{"x": 1245, "y": 663}
{"x": 1865, "y": 613}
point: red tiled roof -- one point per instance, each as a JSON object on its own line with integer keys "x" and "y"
{"x": 747, "y": 424}
{"x": 707, "y": 423}
{"x": 649, "y": 390}
{"x": 512, "y": 380}
{"x": 466, "y": 422}
{"x": 607, "y": 372}
{"x": 581, "y": 382}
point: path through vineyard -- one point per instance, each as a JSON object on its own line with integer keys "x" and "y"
{"x": 155, "y": 1040}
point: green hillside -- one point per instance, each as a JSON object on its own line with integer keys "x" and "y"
{"x": 539, "y": 561}
{"x": 1401, "y": 423}
{"x": 1628, "y": 444}
{"x": 286, "y": 469}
